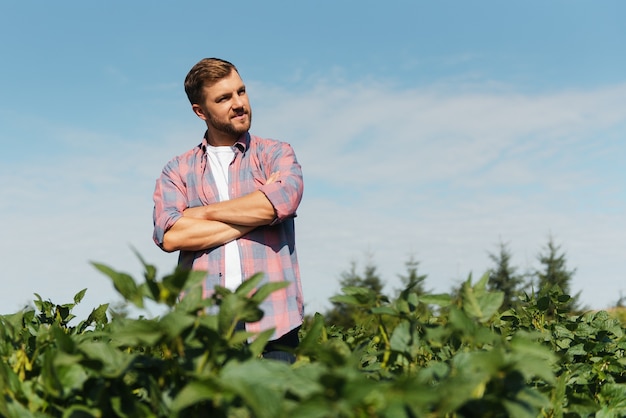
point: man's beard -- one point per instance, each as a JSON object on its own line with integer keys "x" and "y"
{"x": 229, "y": 129}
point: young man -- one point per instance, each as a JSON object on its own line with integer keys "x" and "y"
{"x": 228, "y": 205}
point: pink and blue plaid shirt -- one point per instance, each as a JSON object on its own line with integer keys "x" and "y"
{"x": 187, "y": 181}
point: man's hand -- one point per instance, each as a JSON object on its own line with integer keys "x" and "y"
{"x": 250, "y": 210}
{"x": 273, "y": 177}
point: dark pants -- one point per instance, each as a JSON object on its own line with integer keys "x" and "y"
{"x": 280, "y": 349}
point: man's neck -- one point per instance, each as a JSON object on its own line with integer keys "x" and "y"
{"x": 220, "y": 140}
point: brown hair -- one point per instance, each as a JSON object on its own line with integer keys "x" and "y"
{"x": 206, "y": 72}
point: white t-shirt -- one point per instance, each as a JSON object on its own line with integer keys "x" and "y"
{"x": 219, "y": 161}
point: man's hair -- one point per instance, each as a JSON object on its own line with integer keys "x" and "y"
{"x": 205, "y": 73}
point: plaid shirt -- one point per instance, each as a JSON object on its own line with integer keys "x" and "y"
{"x": 187, "y": 181}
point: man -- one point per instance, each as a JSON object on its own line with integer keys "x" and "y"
{"x": 228, "y": 205}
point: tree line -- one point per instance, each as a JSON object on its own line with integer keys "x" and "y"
{"x": 516, "y": 286}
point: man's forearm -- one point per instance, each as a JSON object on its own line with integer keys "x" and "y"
{"x": 192, "y": 234}
{"x": 252, "y": 210}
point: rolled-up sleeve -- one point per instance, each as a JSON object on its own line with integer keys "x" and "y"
{"x": 169, "y": 201}
{"x": 286, "y": 193}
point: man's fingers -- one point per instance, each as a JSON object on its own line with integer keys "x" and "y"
{"x": 272, "y": 178}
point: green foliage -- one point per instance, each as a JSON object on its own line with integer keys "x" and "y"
{"x": 504, "y": 278}
{"x": 412, "y": 276}
{"x": 359, "y": 290}
{"x": 416, "y": 355}
{"x": 554, "y": 272}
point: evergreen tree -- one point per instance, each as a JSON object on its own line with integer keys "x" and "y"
{"x": 554, "y": 272}
{"x": 413, "y": 283}
{"x": 412, "y": 278}
{"x": 369, "y": 279}
{"x": 503, "y": 277}
{"x": 345, "y": 315}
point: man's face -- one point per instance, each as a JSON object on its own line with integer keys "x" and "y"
{"x": 226, "y": 109}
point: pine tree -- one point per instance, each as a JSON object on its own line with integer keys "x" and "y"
{"x": 412, "y": 278}
{"x": 554, "y": 272}
{"x": 503, "y": 277}
{"x": 344, "y": 315}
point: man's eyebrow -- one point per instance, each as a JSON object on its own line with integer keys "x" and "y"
{"x": 223, "y": 96}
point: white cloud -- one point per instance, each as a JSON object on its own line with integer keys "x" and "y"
{"x": 434, "y": 136}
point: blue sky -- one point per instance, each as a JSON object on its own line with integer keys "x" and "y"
{"x": 426, "y": 129}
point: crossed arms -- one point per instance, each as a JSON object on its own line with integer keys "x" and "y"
{"x": 216, "y": 224}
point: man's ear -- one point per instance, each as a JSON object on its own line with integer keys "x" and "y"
{"x": 197, "y": 109}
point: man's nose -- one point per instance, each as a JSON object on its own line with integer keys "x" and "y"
{"x": 237, "y": 101}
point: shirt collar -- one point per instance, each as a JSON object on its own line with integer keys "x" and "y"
{"x": 242, "y": 143}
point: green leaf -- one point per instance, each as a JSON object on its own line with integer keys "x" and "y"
{"x": 459, "y": 320}
{"x": 63, "y": 340}
{"x": 38, "y": 302}
{"x": 258, "y": 345}
{"x": 193, "y": 301}
{"x": 150, "y": 270}
{"x": 261, "y": 384}
{"x": 401, "y": 337}
{"x": 240, "y": 337}
{"x": 234, "y": 308}
{"x": 543, "y": 303}
{"x": 519, "y": 409}
{"x": 151, "y": 289}
{"x": 81, "y": 411}
{"x": 315, "y": 334}
{"x": 193, "y": 393}
{"x": 537, "y": 359}
{"x": 49, "y": 376}
{"x": 126, "y": 405}
{"x": 133, "y": 333}
{"x": 124, "y": 284}
{"x": 563, "y": 298}
{"x": 480, "y": 305}
{"x": 481, "y": 285}
{"x": 314, "y": 408}
{"x": 79, "y": 296}
{"x": 401, "y": 307}
{"x": 194, "y": 278}
{"x": 71, "y": 376}
{"x": 105, "y": 359}
{"x": 175, "y": 323}
{"x": 248, "y": 285}
{"x": 99, "y": 315}
{"x": 264, "y": 291}
{"x": 613, "y": 395}
{"x": 490, "y": 303}
{"x": 15, "y": 409}
{"x": 349, "y": 300}
{"x": 356, "y": 290}
{"x": 174, "y": 284}
{"x": 383, "y": 310}
{"x": 362, "y": 295}
{"x": 577, "y": 350}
